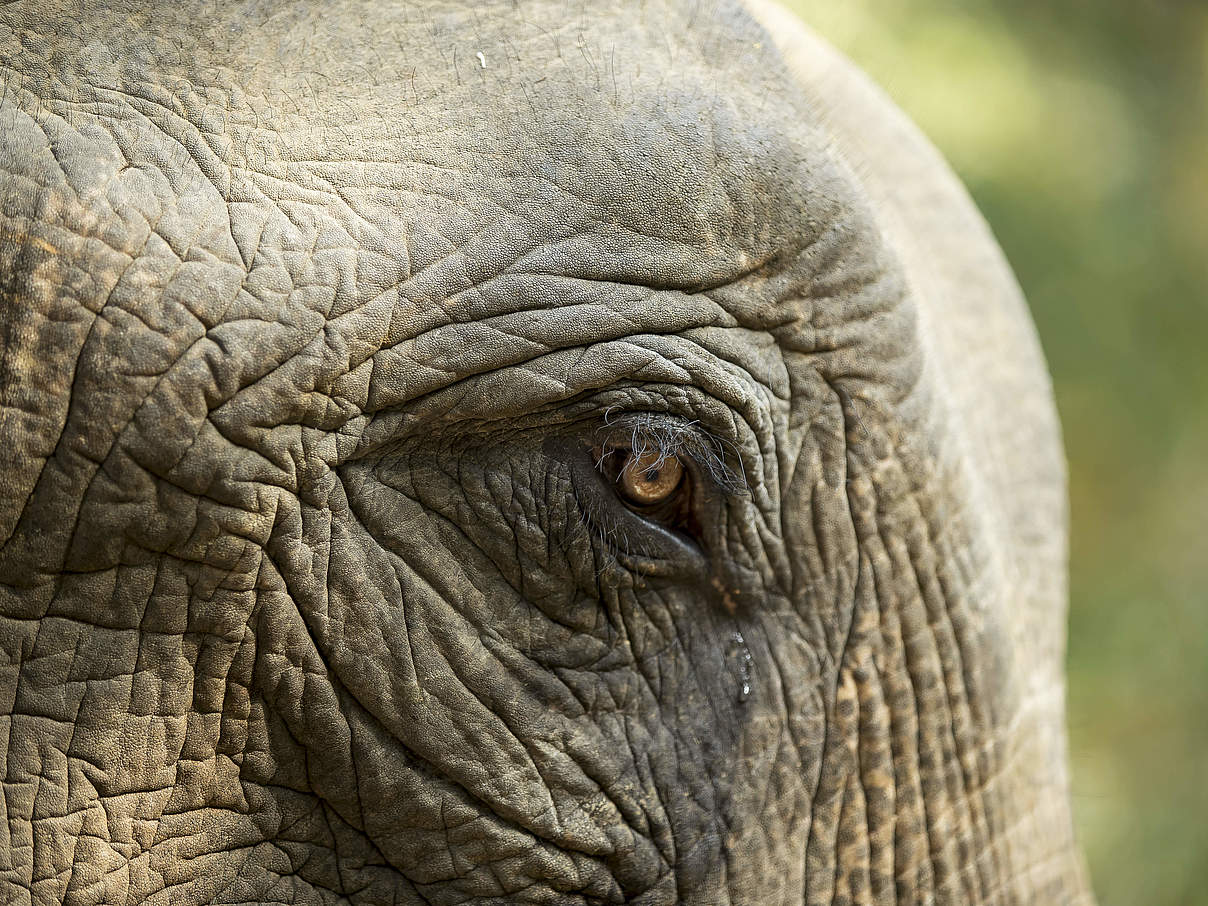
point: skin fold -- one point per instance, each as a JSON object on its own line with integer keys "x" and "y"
{"x": 323, "y": 330}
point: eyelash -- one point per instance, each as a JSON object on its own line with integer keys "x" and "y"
{"x": 696, "y": 448}
{"x": 668, "y": 534}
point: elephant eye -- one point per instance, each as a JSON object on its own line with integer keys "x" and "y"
{"x": 651, "y": 482}
{"x": 649, "y": 478}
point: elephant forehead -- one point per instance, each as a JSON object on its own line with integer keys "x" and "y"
{"x": 649, "y": 143}
{"x": 648, "y": 146}
{"x": 307, "y": 219}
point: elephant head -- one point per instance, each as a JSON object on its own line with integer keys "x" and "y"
{"x": 510, "y": 452}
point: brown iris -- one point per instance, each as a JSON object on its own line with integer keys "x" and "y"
{"x": 649, "y": 478}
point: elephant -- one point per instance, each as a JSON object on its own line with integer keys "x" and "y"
{"x": 515, "y": 452}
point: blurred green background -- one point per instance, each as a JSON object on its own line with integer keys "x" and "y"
{"x": 1081, "y": 128}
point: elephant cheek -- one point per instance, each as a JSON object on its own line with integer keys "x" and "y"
{"x": 394, "y": 699}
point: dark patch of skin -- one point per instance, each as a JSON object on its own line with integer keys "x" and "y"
{"x": 312, "y": 590}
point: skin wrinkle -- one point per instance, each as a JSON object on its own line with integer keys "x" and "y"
{"x": 377, "y": 852}
{"x": 964, "y": 795}
{"x": 908, "y": 781}
{"x": 955, "y": 797}
{"x": 318, "y": 648}
{"x": 550, "y": 808}
{"x": 638, "y": 367}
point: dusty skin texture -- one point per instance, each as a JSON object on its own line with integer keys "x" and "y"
{"x": 314, "y": 586}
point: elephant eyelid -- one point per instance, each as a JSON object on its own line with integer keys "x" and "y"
{"x": 650, "y": 433}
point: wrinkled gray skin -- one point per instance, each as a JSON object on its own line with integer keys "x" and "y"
{"x": 311, "y": 590}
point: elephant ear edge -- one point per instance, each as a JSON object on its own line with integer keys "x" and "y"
{"x": 984, "y": 364}
{"x": 974, "y": 326}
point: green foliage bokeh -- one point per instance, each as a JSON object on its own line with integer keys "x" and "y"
{"x": 1081, "y": 129}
